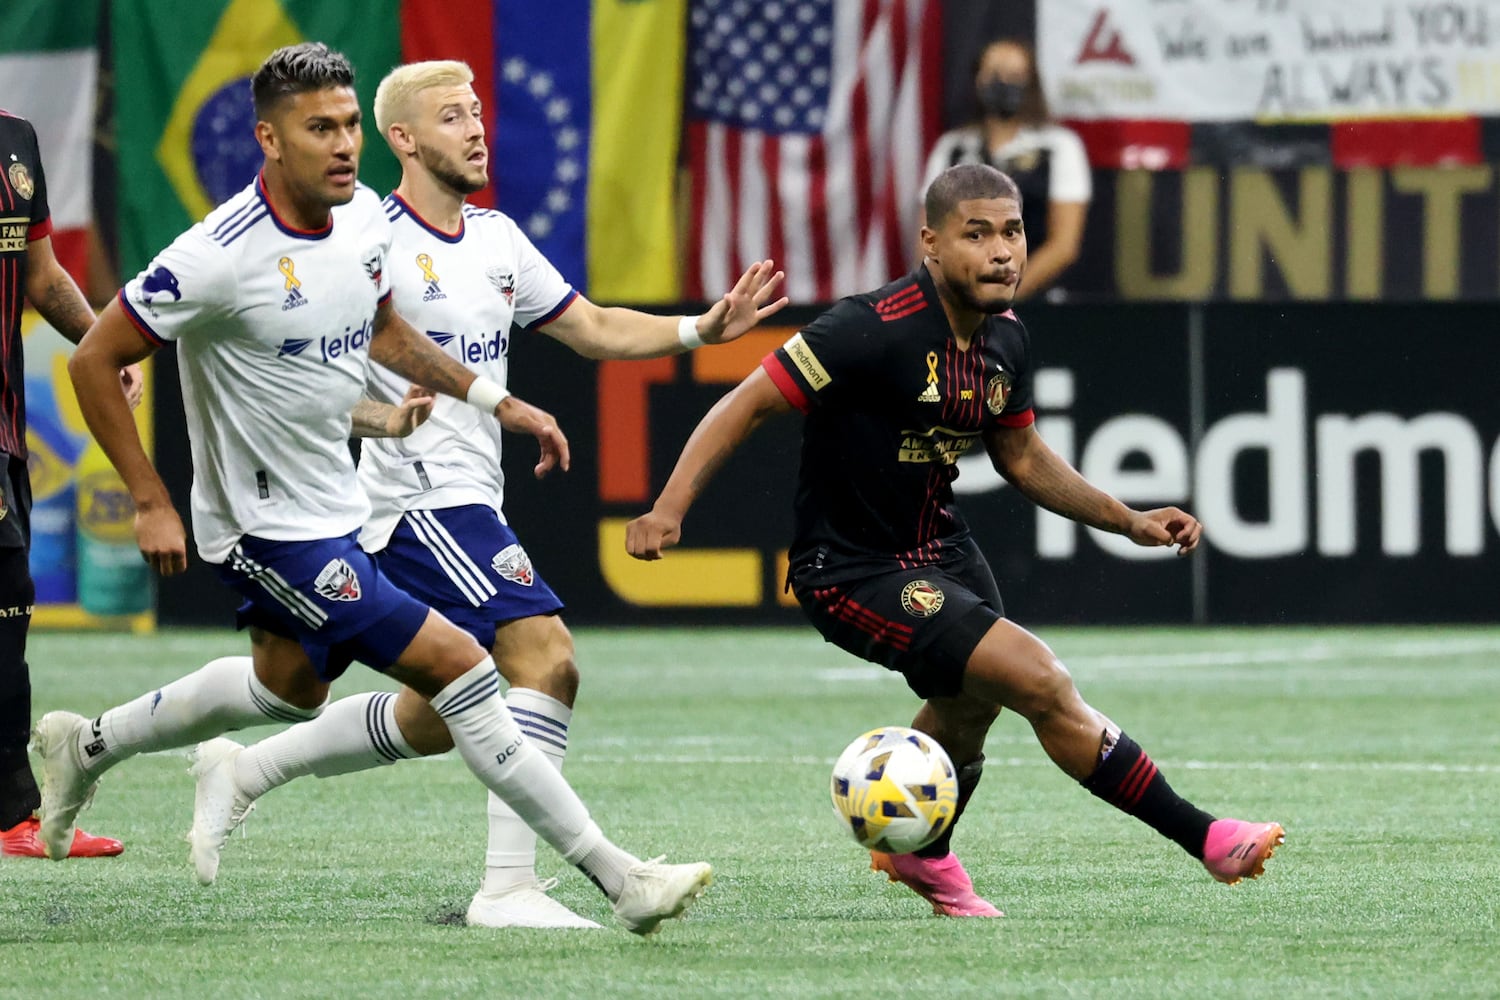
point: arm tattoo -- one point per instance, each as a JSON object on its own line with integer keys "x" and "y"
{"x": 63, "y": 305}
{"x": 413, "y": 356}
{"x": 370, "y": 419}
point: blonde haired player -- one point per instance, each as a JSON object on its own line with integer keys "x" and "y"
{"x": 465, "y": 275}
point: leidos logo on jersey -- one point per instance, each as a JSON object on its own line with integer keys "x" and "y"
{"x": 329, "y": 348}
{"x": 293, "y": 285}
{"x": 432, "y": 292}
{"x": 485, "y": 347}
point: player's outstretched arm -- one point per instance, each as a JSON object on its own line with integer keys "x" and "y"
{"x": 1043, "y": 477}
{"x": 617, "y": 333}
{"x": 111, "y": 344}
{"x": 717, "y": 435}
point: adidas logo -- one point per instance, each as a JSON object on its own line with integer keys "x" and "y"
{"x": 433, "y": 293}
{"x": 294, "y": 298}
{"x": 930, "y": 394}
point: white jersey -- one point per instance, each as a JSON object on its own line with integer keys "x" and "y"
{"x": 464, "y": 291}
{"x": 273, "y": 326}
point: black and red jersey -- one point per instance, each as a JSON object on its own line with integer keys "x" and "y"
{"x": 892, "y": 403}
{"x": 23, "y": 218}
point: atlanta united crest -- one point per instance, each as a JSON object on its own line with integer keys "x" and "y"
{"x": 921, "y": 599}
{"x": 997, "y": 392}
{"x": 20, "y": 179}
{"x": 337, "y": 582}
{"x": 514, "y": 564}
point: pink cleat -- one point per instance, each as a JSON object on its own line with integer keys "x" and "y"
{"x": 941, "y": 881}
{"x": 1235, "y": 849}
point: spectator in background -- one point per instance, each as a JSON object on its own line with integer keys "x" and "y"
{"x": 1014, "y": 132}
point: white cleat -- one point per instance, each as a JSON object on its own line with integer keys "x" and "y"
{"x": 66, "y": 787}
{"x": 218, "y": 806}
{"x": 524, "y": 906}
{"x": 654, "y": 892}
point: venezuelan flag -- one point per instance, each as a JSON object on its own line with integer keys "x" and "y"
{"x": 585, "y": 116}
{"x": 182, "y": 99}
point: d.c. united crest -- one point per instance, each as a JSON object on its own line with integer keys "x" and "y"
{"x": 337, "y": 582}
{"x": 514, "y": 564}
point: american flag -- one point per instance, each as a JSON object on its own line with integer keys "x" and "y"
{"x": 808, "y": 125}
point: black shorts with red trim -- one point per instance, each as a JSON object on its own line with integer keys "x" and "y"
{"x": 924, "y": 623}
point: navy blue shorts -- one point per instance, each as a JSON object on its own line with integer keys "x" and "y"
{"x": 329, "y": 595}
{"x": 465, "y": 563}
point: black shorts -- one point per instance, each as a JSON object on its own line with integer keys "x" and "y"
{"x": 15, "y": 505}
{"x": 923, "y": 623}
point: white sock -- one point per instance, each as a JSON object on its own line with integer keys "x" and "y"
{"x": 353, "y": 734}
{"x": 220, "y": 696}
{"x": 490, "y": 742}
{"x": 510, "y": 859}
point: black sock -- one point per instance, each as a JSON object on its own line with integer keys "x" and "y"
{"x": 1129, "y": 781}
{"x": 968, "y": 780}
{"x": 18, "y": 791}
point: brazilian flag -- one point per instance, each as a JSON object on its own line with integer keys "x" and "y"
{"x": 182, "y": 71}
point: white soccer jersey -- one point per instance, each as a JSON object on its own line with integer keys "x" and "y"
{"x": 273, "y": 326}
{"x": 464, "y": 291}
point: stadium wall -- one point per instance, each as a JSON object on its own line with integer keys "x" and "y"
{"x": 1345, "y": 459}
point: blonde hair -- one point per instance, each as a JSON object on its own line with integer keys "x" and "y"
{"x": 394, "y": 95}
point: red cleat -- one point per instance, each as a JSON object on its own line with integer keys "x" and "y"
{"x": 22, "y": 841}
{"x": 941, "y": 881}
{"x": 1235, "y": 849}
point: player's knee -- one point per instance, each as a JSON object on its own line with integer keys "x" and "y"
{"x": 538, "y": 654}
{"x": 1046, "y": 688}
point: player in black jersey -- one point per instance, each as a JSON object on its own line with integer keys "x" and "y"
{"x": 29, "y": 269}
{"x": 896, "y": 385}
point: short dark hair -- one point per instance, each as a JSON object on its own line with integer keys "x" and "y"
{"x": 297, "y": 69}
{"x": 966, "y": 182}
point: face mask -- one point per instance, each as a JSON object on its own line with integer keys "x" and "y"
{"x": 1001, "y": 99}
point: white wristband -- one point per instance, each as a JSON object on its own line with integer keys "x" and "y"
{"x": 485, "y": 394}
{"x": 687, "y": 332}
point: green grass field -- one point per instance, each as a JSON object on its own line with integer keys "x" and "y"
{"x": 1378, "y": 749}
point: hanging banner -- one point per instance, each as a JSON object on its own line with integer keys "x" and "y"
{"x": 1270, "y": 60}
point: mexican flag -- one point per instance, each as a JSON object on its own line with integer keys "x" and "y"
{"x": 49, "y": 69}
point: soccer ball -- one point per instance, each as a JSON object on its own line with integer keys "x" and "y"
{"x": 894, "y": 789}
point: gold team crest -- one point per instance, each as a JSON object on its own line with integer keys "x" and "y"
{"x": 921, "y": 599}
{"x": 20, "y": 179}
{"x": 930, "y": 394}
{"x": 997, "y": 392}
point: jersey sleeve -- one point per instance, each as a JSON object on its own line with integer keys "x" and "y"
{"x": 826, "y": 357}
{"x": 542, "y": 293}
{"x": 40, "y": 223}
{"x": 1071, "y": 180}
{"x": 1017, "y": 409}
{"x": 185, "y": 289}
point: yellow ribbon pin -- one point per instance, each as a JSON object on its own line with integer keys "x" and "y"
{"x": 932, "y": 378}
{"x": 424, "y": 261}
{"x": 290, "y": 273}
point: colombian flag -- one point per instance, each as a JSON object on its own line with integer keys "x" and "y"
{"x": 182, "y": 100}
{"x": 584, "y": 115}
